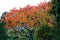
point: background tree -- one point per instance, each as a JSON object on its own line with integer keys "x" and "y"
{"x": 56, "y": 12}
{"x": 29, "y": 18}
{"x": 3, "y": 34}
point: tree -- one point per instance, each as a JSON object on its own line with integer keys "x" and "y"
{"x": 3, "y": 35}
{"x": 4, "y": 13}
{"x": 56, "y": 12}
{"x": 45, "y": 32}
{"x": 31, "y": 16}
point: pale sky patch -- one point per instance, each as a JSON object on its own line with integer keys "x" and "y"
{"x": 6, "y": 5}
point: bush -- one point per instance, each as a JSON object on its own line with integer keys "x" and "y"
{"x": 3, "y": 35}
{"x": 44, "y": 32}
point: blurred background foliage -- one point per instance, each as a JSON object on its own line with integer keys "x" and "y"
{"x": 40, "y": 22}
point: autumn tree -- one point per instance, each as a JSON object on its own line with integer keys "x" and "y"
{"x": 30, "y": 15}
{"x": 29, "y": 18}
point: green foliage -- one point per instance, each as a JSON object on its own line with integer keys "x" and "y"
{"x": 3, "y": 35}
{"x": 3, "y": 15}
{"x": 56, "y": 9}
{"x": 13, "y": 35}
{"x": 18, "y": 35}
{"x": 45, "y": 32}
{"x": 55, "y": 1}
{"x": 42, "y": 32}
{"x": 56, "y": 12}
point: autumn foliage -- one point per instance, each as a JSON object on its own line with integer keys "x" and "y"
{"x": 30, "y": 16}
